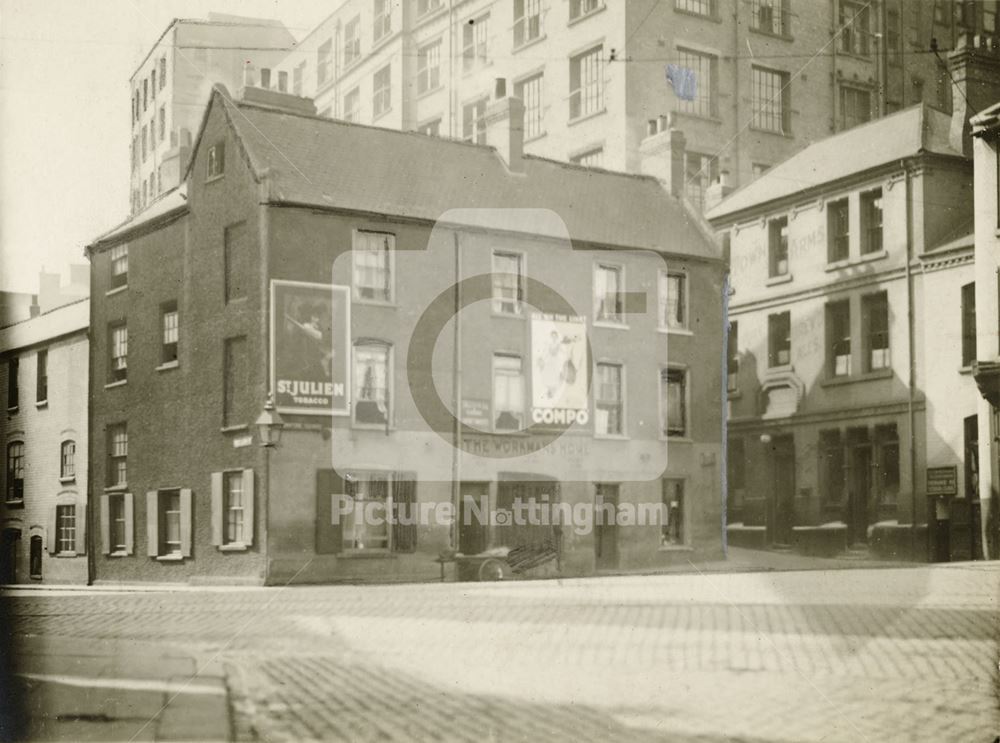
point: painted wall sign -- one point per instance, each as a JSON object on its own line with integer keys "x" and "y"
{"x": 559, "y": 370}
{"x": 942, "y": 480}
{"x": 310, "y": 348}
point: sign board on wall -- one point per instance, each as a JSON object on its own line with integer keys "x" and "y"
{"x": 559, "y": 370}
{"x": 310, "y": 348}
{"x": 476, "y": 413}
{"x": 942, "y": 480}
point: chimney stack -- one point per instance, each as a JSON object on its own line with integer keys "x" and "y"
{"x": 975, "y": 70}
{"x": 34, "y": 310}
{"x": 661, "y": 154}
{"x": 505, "y": 127}
{"x": 718, "y": 190}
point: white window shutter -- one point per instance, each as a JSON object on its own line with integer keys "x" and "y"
{"x": 152, "y": 524}
{"x": 105, "y": 501}
{"x": 248, "y": 498}
{"x": 53, "y": 531}
{"x": 80, "y": 517}
{"x": 129, "y": 524}
{"x": 186, "y": 522}
{"x": 218, "y": 518}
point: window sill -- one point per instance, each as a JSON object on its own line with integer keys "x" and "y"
{"x": 42, "y": 404}
{"x": 118, "y": 553}
{"x": 676, "y": 331}
{"x": 772, "y": 34}
{"x": 965, "y": 370}
{"x": 586, "y": 117}
{"x": 12, "y": 409}
{"x": 64, "y": 480}
{"x": 116, "y": 290}
{"x": 119, "y": 488}
{"x": 611, "y": 436}
{"x": 855, "y": 55}
{"x": 581, "y": 18}
{"x": 430, "y": 15}
{"x": 14, "y": 503}
{"x": 530, "y": 42}
{"x": 389, "y": 304}
{"x": 168, "y": 365}
{"x": 381, "y": 114}
{"x": 866, "y": 377}
{"x": 119, "y": 383}
{"x": 64, "y": 554}
{"x": 875, "y": 255}
{"x": 677, "y": 439}
{"x": 509, "y": 315}
{"x": 610, "y": 325}
{"x": 238, "y": 428}
{"x": 676, "y": 548}
{"x": 775, "y": 132}
{"x": 703, "y": 16}
{"x": 535, "y": 137}
{"x": 170, "y": 558}
{"x": 215, "y": 178}
{"x": 776, "y": 280}
{"x": 234, "y": 547}
{"x": 837, "y": 265}
{"x": 372, "y": 554}
{"x": 372, "y": 426}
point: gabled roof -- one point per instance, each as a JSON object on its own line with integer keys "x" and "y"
{"x": 313, "y": 161}
{"x": 68, "y": 318}
{"x": 912, "y": 131}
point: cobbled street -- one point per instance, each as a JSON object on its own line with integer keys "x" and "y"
{"x": 901, "y": 654}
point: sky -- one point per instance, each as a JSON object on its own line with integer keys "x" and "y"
{"x": 64, "y": 116}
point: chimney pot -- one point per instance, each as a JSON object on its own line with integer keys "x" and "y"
{"x": 505, "y": 130}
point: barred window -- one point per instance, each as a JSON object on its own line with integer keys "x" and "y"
{"x": 871, "y": 221}
{"x": 169, "y": 503}
{"x": 779, "y": 339}
{"x": 838, "y": 227}
{"x": 673, "y": 300}
{"x": 769, "y": 16}
{"x": 777, "y": 247}
{"x": 580, "y": 8}
{"x": 530, "y": 92}
{"x": 609, "y": 294}
{"x": 586, "y": 83}
{"x": 855, "y": 106}
{"x": 875, "y": 317}
{"x": 699, "y": 7}
{"x": 673, "y": 402}
{"x": 855, "y": 27}
{"x": 838, "y": 330}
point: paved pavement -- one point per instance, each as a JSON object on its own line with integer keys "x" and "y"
{"x": 897, "y": 654}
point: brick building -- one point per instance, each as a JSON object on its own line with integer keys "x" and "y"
{"x": 429, "y": 279}
{"x": 43, "y": 372}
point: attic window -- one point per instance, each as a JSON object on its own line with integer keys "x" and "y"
{"x": 216, "y": 160}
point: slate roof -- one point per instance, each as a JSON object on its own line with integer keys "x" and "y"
{"x": 310, "y": 160}
{"x": 903, "y": 134}
{"x": 171, "y": 203}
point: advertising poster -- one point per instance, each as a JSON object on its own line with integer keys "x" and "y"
{"x": 310, "y": 348}
{"x": 559, "y": 370}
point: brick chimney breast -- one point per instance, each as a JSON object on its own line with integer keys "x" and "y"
{"x": 505, "y": 128}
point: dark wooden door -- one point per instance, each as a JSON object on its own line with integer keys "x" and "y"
{"x": 783, "y": 454}
{"x": 473, "y": 515}
{"x": 606, "y": 527}
{"x": 859, "y": 495}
